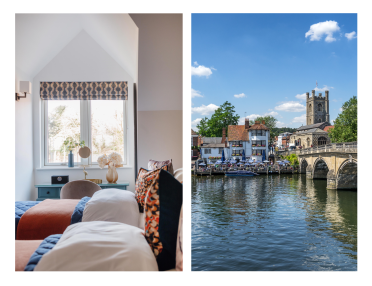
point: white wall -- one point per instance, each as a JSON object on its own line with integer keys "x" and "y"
{"x": 83, "y": 59}
{"x": 160, "y": 137}
{"x": 159, "y": 88}
{"x": 23, "y": 142}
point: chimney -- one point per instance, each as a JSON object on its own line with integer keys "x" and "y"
{"x": 246, "y": 125}
{"x": 223, "y": 135}
{"x": 257, "y": 122}
{"x": 263, "y": 122}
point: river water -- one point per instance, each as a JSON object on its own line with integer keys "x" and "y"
{"x": 273, "y": 223}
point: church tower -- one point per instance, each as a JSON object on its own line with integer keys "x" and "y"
{"x": 317, "y": 108}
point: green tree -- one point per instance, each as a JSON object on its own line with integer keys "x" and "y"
{"x": 222, "y": 117}
{"x": 203, "y": 127}
{"x": 346, "y": 124}
{"x": 270, "y": 122}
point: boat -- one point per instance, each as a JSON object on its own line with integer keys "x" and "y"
{"x": 241, "y": 173}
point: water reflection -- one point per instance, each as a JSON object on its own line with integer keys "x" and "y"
{"x": 272, "y": 223}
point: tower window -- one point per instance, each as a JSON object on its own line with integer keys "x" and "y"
{"x": 319, "y": 107}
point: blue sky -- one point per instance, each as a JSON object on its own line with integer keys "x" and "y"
{"x": 265, "y": 63}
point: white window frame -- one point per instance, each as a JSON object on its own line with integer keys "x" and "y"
{"x": 85, "y": 134}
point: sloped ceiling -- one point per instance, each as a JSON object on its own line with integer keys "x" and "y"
{"x": 40, "y": 37}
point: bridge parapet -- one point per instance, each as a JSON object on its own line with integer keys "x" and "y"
{"x": 348, "y": 147}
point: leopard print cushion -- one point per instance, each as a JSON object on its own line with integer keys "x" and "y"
{"x": 145, "y": 179}
{"x": 152, "y": 212}
{"x": 153, "y": 165}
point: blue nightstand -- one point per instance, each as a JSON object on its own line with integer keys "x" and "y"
{"x": 48, "y": 191}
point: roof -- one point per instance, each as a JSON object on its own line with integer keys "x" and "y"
{"x": 213, "y": 140}
{"x": 237, "y": 133}
{"x": 312, "y": 130}
{"x": 193, "y": 132}
{"x": 218, "y": 145}
{"x": 258, "y": 126}
{"x": 328, "y": 127}
{"x": 320, "y": 125}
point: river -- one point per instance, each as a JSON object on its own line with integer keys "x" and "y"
{"x": 272, "y": 223}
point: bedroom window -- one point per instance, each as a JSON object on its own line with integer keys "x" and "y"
{"x": 100, "y": 123}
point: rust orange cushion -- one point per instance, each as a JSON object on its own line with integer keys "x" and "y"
{"x": 23, "y": 251}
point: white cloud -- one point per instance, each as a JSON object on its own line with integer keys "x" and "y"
{"x": 195, "y": 122}
{"x": 301, "y": 96}
{"x": 332, "y": 122}
{"x": 341, "y": 109}
{"x": 204, "y": 109}
{"x": 291, "y": 106}
{"x": 299, "y": 119}
{"x": 254, "y": 116}
{"x": 324, "y": 88}
{"x": 327, "y": 28}
{"x": 195, "y": 93}
{"x": 240, "y": 95}
{"x": 280, "y": 124}
{"x": 196, "y": 63}
{"x": 201, "y": 71}
{"x": 350, "y": 36}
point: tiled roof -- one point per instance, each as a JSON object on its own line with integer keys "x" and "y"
{"x": 328, "y": 127}
{"x": 237, "y": 133}
{"x": 258, "y": 126}
{"x": 193, "y": 132}
{"x": 212, "y": 145}
{"x": 316, "y": 125}
{"x": 214, "y": 140}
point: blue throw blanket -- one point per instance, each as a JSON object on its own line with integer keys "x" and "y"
{"x": 43, "y": 248}
{"x": 20, "y": 209}
{"x": 52, "y": 240}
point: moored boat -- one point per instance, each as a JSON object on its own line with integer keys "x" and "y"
{"x": 241, "y": 173}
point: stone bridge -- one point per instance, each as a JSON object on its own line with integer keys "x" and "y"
{"x": 338, "y": 163}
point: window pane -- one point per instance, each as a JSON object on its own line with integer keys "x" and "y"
{"x": 63, "y": 123}
{"x": 107, "y": 127}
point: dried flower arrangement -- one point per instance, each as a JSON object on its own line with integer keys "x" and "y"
{"x": 114, "y": 158}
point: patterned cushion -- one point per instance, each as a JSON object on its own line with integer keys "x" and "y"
{"x": 153, "y": 165}
{"x": 162, "y": 211}
{"x": 179, "y": 251}
{"x": 144, "y": 181}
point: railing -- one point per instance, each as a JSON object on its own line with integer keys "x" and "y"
{"x": 348, "y": 147}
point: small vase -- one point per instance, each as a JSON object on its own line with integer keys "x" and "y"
{"x": 112, "y": 174}
{"x": 70, "y": 160}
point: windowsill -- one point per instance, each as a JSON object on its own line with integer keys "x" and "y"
{"x": 46, "y": 168}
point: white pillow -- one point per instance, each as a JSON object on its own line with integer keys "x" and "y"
{"x": 112, "y": 205}
{"x": 100, "y": 246}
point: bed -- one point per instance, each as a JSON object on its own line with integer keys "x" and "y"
{"x": 48, "y": 230}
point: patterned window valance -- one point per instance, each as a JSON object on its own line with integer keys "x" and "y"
{"x": 102, "y": 90}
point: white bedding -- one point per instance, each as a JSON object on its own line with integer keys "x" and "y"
{"x": 100, "y": 246}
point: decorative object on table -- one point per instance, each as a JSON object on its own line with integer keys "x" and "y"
{"x": 97, "y": 181}
{"x": 144, "y": 181}
{"x": 161, "y": 224}
{"x": 70, "y": 144}
{"x": 153, "y": 165}
{"x": 113, "y": 161}
{"x": 59, "y": 180}
{"x": 84, "y": 153}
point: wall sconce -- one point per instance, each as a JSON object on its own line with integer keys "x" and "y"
{"x": 24, "y": 87}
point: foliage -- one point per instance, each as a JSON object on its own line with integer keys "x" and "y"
{"x": 194, "y": 147}
{"x": 346, "y": 124}
{"x": 293, "y": 159}
{"x": 222, "y": 117}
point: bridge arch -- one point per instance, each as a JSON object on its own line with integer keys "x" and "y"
{"x": 320, "y": 169}
{"x": 347, "y": 175}
{"x": 303, "y": 166}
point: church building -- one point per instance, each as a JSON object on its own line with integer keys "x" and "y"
{"x": 317, "y": 119}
